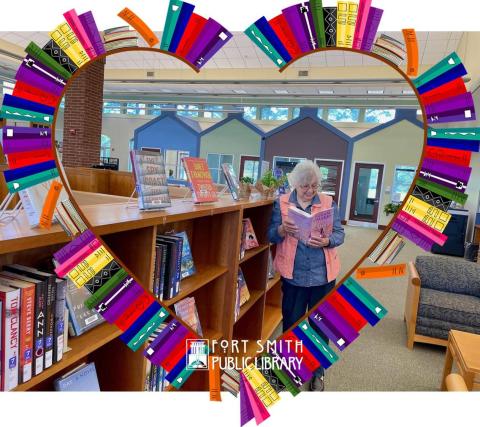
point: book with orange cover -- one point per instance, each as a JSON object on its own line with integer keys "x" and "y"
{"x": 203, "y": 189}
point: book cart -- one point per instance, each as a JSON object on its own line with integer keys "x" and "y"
{"x": 214, "y": 232}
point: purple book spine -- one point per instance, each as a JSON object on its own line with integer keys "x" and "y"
{"x": 293, "y": 16}
{"x": 33, "y": 78}
{"x": 15, "y": 133}
{"x": 90, "y": 26}
{"x": 413, "y": 235}
{"x": 208, "y": 33}
{"x": 124, "y": 296}
{"x": 458, "y": 115}
{"x": 39, "y": 67}
{"x": 327, "y": 328}
{"x": 309, "y": 26}
{"x": 459, "y": 102}
{"x": 371, "y": 27}
{"x": 74, "y": 246}
{"x": 222, "y": 39}
{"x": 346, "y": 331}
{"x": 447, "y": 169}
{"x": 164, "y": 334}
{"x": 20, "y": 146}
{"x": 246, "y": 411}
{"x": 168, "y": 345}
{"x": 287, "y": 354}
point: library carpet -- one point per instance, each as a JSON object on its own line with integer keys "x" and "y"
{"x": 380, "y": 360}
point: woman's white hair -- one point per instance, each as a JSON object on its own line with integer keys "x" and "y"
{"x": 304, "y": 173}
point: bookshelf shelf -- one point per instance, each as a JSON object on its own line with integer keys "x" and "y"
{"x": 252, "y": 252}
{"x": 80, "y": 347}
{"x": 273, "y": 281}
{"x": 204, "y": 275}
{"x": 254, "y": 297}
{"x": 214, "y": 233}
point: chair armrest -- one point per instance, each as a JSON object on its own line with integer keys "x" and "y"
{"x": 411, "y": 302}
{"x": 455, "y": 382}
{"x": 413, "y": 276}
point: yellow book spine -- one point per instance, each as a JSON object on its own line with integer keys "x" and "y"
{"x": 64, "y": 36}
{"x": 430, "y": 215}
{"x": 262, "y": 388}
{"x": 342, "y": 14}
{"x": 90, "y": 266}
{"x": 351, "y": 23}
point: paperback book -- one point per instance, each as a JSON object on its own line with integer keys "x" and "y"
{"x": 317, "y": 225}
{"x": 203, "y": 189}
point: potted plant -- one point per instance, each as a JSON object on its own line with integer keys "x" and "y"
{"x": 245, "y": 187}
{"x": 268, "y": 184}
{"x": 391, "y": 208}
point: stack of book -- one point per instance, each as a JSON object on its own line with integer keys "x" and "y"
{"x": 187, "y": 311}
{"x": 390, "y": 48}
{"x": 118, "y": 37}
{"x": 155, "y": 378}
{"x": 231, "y": 381}
{"x": 173, "y": 262}
{"x": 388, "y": 248}
{"x": 32, "y": 318}
{"x": 243, "y": 295}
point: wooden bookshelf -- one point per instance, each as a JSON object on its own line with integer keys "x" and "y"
{"x": 214, "y": 232}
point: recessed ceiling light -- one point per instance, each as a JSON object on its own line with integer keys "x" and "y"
{"x": 326, "y": 92}
{"x": 281, "y": 91}
{"x": 240, "y": 91}
{"x": 408, "y": 92}
{"x": 165, "y": 90}
{"x": 375, "y": 92}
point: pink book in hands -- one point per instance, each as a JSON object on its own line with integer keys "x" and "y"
{"x": 317, "y": 225}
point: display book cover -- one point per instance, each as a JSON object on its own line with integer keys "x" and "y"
{"x": 249, "y": 239}
{"x": 317, "y": 225}
{"x": 82, "y": 378}
{"x": 242, "y": 287}
{"x": 199, "y": 176}
{"x": 186, "y": 309}
{"x": 150, "y": 180}
{"x": 232, "y": 180}
{"x": 188, "y": 266}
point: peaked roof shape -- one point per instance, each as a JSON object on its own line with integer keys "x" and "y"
{"x": 400, "y": 115}
{"x": 230, "y": 117}
{"x": 191, "y": 125}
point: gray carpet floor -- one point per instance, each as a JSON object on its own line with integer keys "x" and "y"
{"x": 379, "y": 359}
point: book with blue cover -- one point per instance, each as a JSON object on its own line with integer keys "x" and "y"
{"x": 188, "y": 266}
{"x": 82, "y": 378}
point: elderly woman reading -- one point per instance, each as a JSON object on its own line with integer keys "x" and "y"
{"x": 308, "y": 269}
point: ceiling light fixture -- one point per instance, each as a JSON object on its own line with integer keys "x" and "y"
{"x": 326, "y": 92}
{"x": 375, "y": 92}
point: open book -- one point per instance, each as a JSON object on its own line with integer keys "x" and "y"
{"x": 316, "y": 225}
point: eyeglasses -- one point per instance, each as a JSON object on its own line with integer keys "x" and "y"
{"x": 306, "y": 187}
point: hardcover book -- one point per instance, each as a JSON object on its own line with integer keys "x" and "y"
{"x": 188, "y": 266}
{"x": 150, "y": 179}
{"x": 187, "y": 311}
{"x": 316, "y": 225}
{"x": 203, "y": 189}
{"x": 232, "y": 180}
{"x": 82, "y": 378}
{"x": 249, "y": 238}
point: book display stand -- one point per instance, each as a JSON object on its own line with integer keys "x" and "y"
{"x": 214, "y": 233}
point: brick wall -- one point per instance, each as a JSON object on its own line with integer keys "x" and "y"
{"x": 83, "y": 117}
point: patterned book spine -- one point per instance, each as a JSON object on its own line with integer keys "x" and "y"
{"x": 36, "y": 78}
{"x": 64, "y": 36}
{"x": 351, "y": 22}
{"x": 433, "y": 217}
{"x": 330, "y": 16}
{"x": 88, "y": 22}
{"x": 36, "y": 52}
{"x": 56, "y": 53}
{"x": 293, "y": 17}
{"x": 342, "y": 13}
{"x": 77, "y": 27}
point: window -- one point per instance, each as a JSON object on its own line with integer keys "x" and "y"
{"x": 274, "y": 113}
{"x": 286, "y": 164}
{"x": 215, "y": 162}
{"x": 402, "y": 180}
{"x": 187, "y": 110}
{"x": 135, "y": 109}
{"x": 249, "y": 113}
{"x": 173, "y": 164}
{"x": 105, "y": 146}
{"x": 112, "y": 107}
{"x": 130, "y": 148}
{"x": 7, "y": 87}
{"x": 214, "y": 112}
{"x": 320, "y": 113}
{"x": 295, "y": 112}
{"x": 379, "y": 116}
{"x": 343, "y": 114}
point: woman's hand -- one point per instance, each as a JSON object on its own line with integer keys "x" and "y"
{"x": 318, "y": 242}
{"x": 287, "y": 227}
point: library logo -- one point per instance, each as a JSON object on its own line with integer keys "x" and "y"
{"x": 197, "y": 355}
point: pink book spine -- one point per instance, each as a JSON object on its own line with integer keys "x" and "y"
{"x": 363, "y": 9}
{"x": 72, "y": 262}
{"x": 423, "y": 228}
{"x": 77, "y": 27}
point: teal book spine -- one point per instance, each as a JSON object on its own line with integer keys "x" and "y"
{"x": 261, "y": 41}
{"x": 143, "y": 334}
{"x": 30, "y": 181}
{"x": 317, "y": 340}
{"x": 18, "y": 114}
{"x": 174, "y": 9}
{"x": 469, "y": 134}
{"x": 373, "y": 305}
{"x": 446, "y": 64}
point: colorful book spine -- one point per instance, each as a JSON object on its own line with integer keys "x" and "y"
{"x": 192, "y": 31}
{"x": 19, "y": 114}
{"x": 62, "y": 269}
{"x": 456, "y": 109}
{"x": 300, "y": 20}
{"x": 433, "y": 217}
{"x": 9, "y": 337}
{"x": 413, "y": 235}
{"x": 115, "y": 281}
{"x": 207, "y": 37}
{"x": 56, "y": 53}
{"x": 76, "y": 25}
{"x": 371, "y": 28}
{"x": 446, "y": 173}
{"x": 220, "y": 39}
{"x": 422, "y": 228}
{"x": 36, "y": 52}
{"x": 148, "y": 328}
{"x": 330, "y": 18}
{"x": 472, "y": 134}
{"x": 35, "y": 94}
{"x": 91, "y": 265}
{"x": 182, "y": 22}
{"x": 350, "y": 25}
{"x": 173, "y": 13}
{"x": 301, "y": 351}
{"x": 454, "y": 195}
{"x": 432, "y": 198}
{"x": 261, "y": 41}
{"x": 350, "y": 315}
{"x": 370, "y": 302}
{"x": 280, "y": 25}
{"x": 446, "y": 91}
{"x": 134, "y": 311}
{"x": 342, "y": 13}
{"x": 75, "y": 245}
{"x": 66, "y": 39}
{"x": 177, "y": 353}
{"x": 114, "y": 305}
{"x": 316, "y": 7}
{"x": 58, "y": 336}
{"x": 263, "y": 25}
{"x": 140, "y": 26}
{"x": 458, "y": 157}
{"x": 90, "y": 26}
{"x": 18, "y": 160}
{"x": 50, "y": 320}
{"x": 446, "y": 64}
{"x": 329, "y": 355}
{"x": 20, "y": 184}
{"x": 363, "y": 11}
{"x": 169, "y": 344}
{"x": 20, "y": 103}
{"x": 260, "y": 385}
